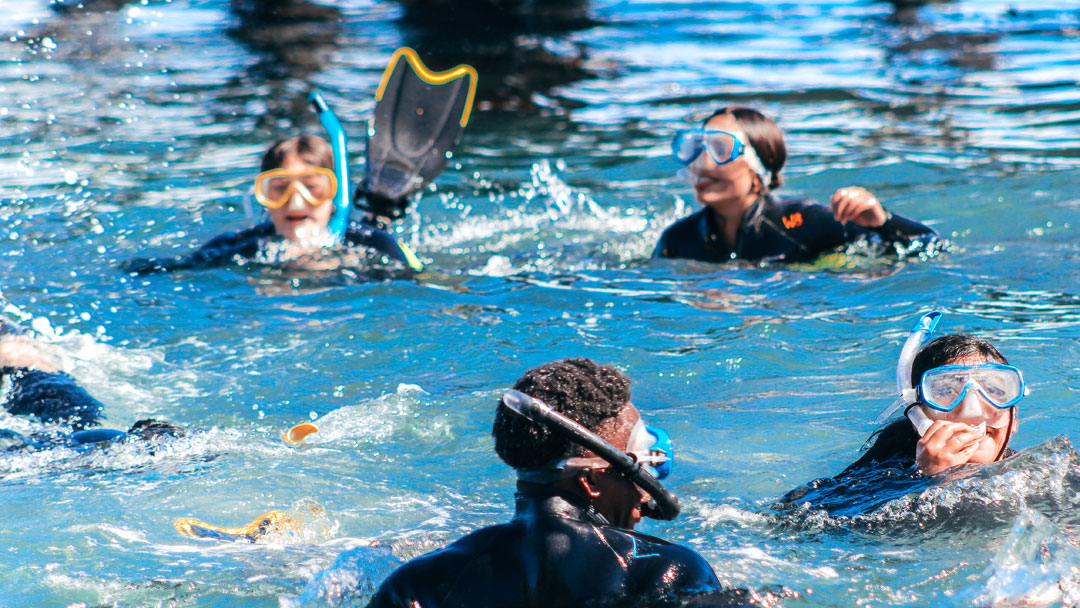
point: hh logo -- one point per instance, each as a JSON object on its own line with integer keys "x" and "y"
{"x": 792, "y": 221}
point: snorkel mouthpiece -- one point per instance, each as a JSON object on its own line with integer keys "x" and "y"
{"x": 664, "y": 505}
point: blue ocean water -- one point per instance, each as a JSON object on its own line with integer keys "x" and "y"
{"x": 134, "y": 128}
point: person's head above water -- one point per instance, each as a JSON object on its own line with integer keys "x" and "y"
{"x": 297, "y": 186}
{"x": 735, "y": 157}
{"x": 967, "y": 396}
{"x": 598, "y": 398}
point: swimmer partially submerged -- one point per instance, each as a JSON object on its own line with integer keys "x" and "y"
{"x": 960, "y": 399}
{"x": 303, "y": 181}
{"x": 32, "y": 385}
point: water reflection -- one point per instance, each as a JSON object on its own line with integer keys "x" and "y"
{"x": 292, "y": 40}
{"x": 520, "y": 48}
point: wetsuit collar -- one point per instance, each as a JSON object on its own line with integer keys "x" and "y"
{"x": 714, "y": 239}
{"x": 533, "y": 501}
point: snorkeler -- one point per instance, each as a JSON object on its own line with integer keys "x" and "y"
{"x": 588, "y": 471}
{"x": 31, "y": 385}
{"x": 296, "y": 186}
{"x": 303, "y": 181}
{"x": 959, "y": 396}
{"x": 960, "y": 403}
{"x": 734, "y": 160}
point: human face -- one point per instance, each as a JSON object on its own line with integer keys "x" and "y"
{"x": 728, "y": 187}
{"x": 297, "y": 219}
{"x": 974, "y": 410}
{"x": 619, "y": 499}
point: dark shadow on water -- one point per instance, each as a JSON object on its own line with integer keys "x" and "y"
{"x": 292, "y": 39}
{"x": 517, "y": 46}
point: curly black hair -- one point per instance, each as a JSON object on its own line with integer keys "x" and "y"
{"x": 580, "y": 388}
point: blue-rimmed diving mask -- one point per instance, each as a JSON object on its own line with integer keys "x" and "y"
{"x": 943, "y": 388}
{"x": 648, "y": 445}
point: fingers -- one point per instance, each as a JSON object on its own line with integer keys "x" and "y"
{"x": 947, "y": 444}
{"x": 855, "y": 204}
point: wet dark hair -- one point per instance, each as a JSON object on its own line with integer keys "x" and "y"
{"x": 898, "y": 439}
{"x": 308, "y": 148}
{"x": 946, "y": 349}
{"x": 765, "y": 136}
{"x": 581, "y": 389}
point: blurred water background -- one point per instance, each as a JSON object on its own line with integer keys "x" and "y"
{"x": 134, "y": 128}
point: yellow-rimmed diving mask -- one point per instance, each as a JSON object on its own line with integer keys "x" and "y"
{"x": 275, "y": 187}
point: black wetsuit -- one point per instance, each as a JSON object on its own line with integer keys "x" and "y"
{"x": 782, "y": 230}
{"x": 244, "y": 246}
{"x": 886, "y": 471}
{"x": 555, "y": 552}
{"x": 54, "y": 397}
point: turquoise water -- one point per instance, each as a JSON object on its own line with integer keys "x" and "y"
{"x": 133, "y": 129}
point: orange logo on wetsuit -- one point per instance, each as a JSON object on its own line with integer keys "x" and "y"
{"x": 792, "y": 221}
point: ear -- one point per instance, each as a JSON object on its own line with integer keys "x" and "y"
{"x": 588, "y": 484}
{"x": 759, "y": 186}
{"x": 1015, "y": 423}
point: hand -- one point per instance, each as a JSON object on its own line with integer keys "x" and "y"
{"x": 855, "y": 204}
{"x": 946, "y": 445}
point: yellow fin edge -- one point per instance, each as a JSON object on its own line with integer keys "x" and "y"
{"x": 430, "y": 77}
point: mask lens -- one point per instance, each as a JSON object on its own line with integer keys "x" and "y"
{"x": 274, "y": 188}
{"x": 661, "y": 453}
{"x": 277, "y": 188}
{"x": 686, "y": 146}
{"x": 319, "y": 187}
{"x": 723, "y": 147}
{"x": 943, "y": 388}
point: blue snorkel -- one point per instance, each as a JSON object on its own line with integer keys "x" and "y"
{"x": 340, "y": 220}
{"x": 919, "y": 336}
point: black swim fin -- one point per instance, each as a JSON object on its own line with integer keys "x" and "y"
{"x": 419, "y": 118}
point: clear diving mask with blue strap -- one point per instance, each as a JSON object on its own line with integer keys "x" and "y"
{"x": 648, "y": 445}
{"x": 945, "y": 391}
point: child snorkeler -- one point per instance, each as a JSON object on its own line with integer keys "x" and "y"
{"x": 296, "y": 185}
{"x": 960, "y": 398}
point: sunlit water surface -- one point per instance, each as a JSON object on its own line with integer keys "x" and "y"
{"x": 134, "y": 129}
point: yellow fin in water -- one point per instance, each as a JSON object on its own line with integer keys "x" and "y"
{"x": 272, "y": 521}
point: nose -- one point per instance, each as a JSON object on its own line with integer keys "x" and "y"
{"x": 971, "y": 408}
{"x": 296, "y": 201}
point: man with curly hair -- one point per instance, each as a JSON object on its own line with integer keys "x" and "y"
{"x": 571, "y": 540}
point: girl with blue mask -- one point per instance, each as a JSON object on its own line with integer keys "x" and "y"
{"x": 733, "y": 162}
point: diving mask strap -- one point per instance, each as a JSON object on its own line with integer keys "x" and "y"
{"x": 755, "y": 163}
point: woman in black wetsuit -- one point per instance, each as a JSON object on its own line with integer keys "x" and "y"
{"x": 735, "y": 161}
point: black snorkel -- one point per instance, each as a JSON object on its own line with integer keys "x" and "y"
{"x": 664, "y": 505}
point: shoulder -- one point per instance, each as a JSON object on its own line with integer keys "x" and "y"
{"x": 365, "y": 235}
{"x": 684, "y": 231}
{"x": 434, "y": 574}
{"x": 893, "y": 443}
{"x": 673, "y": 566}
{"x": 240, "y": 236}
